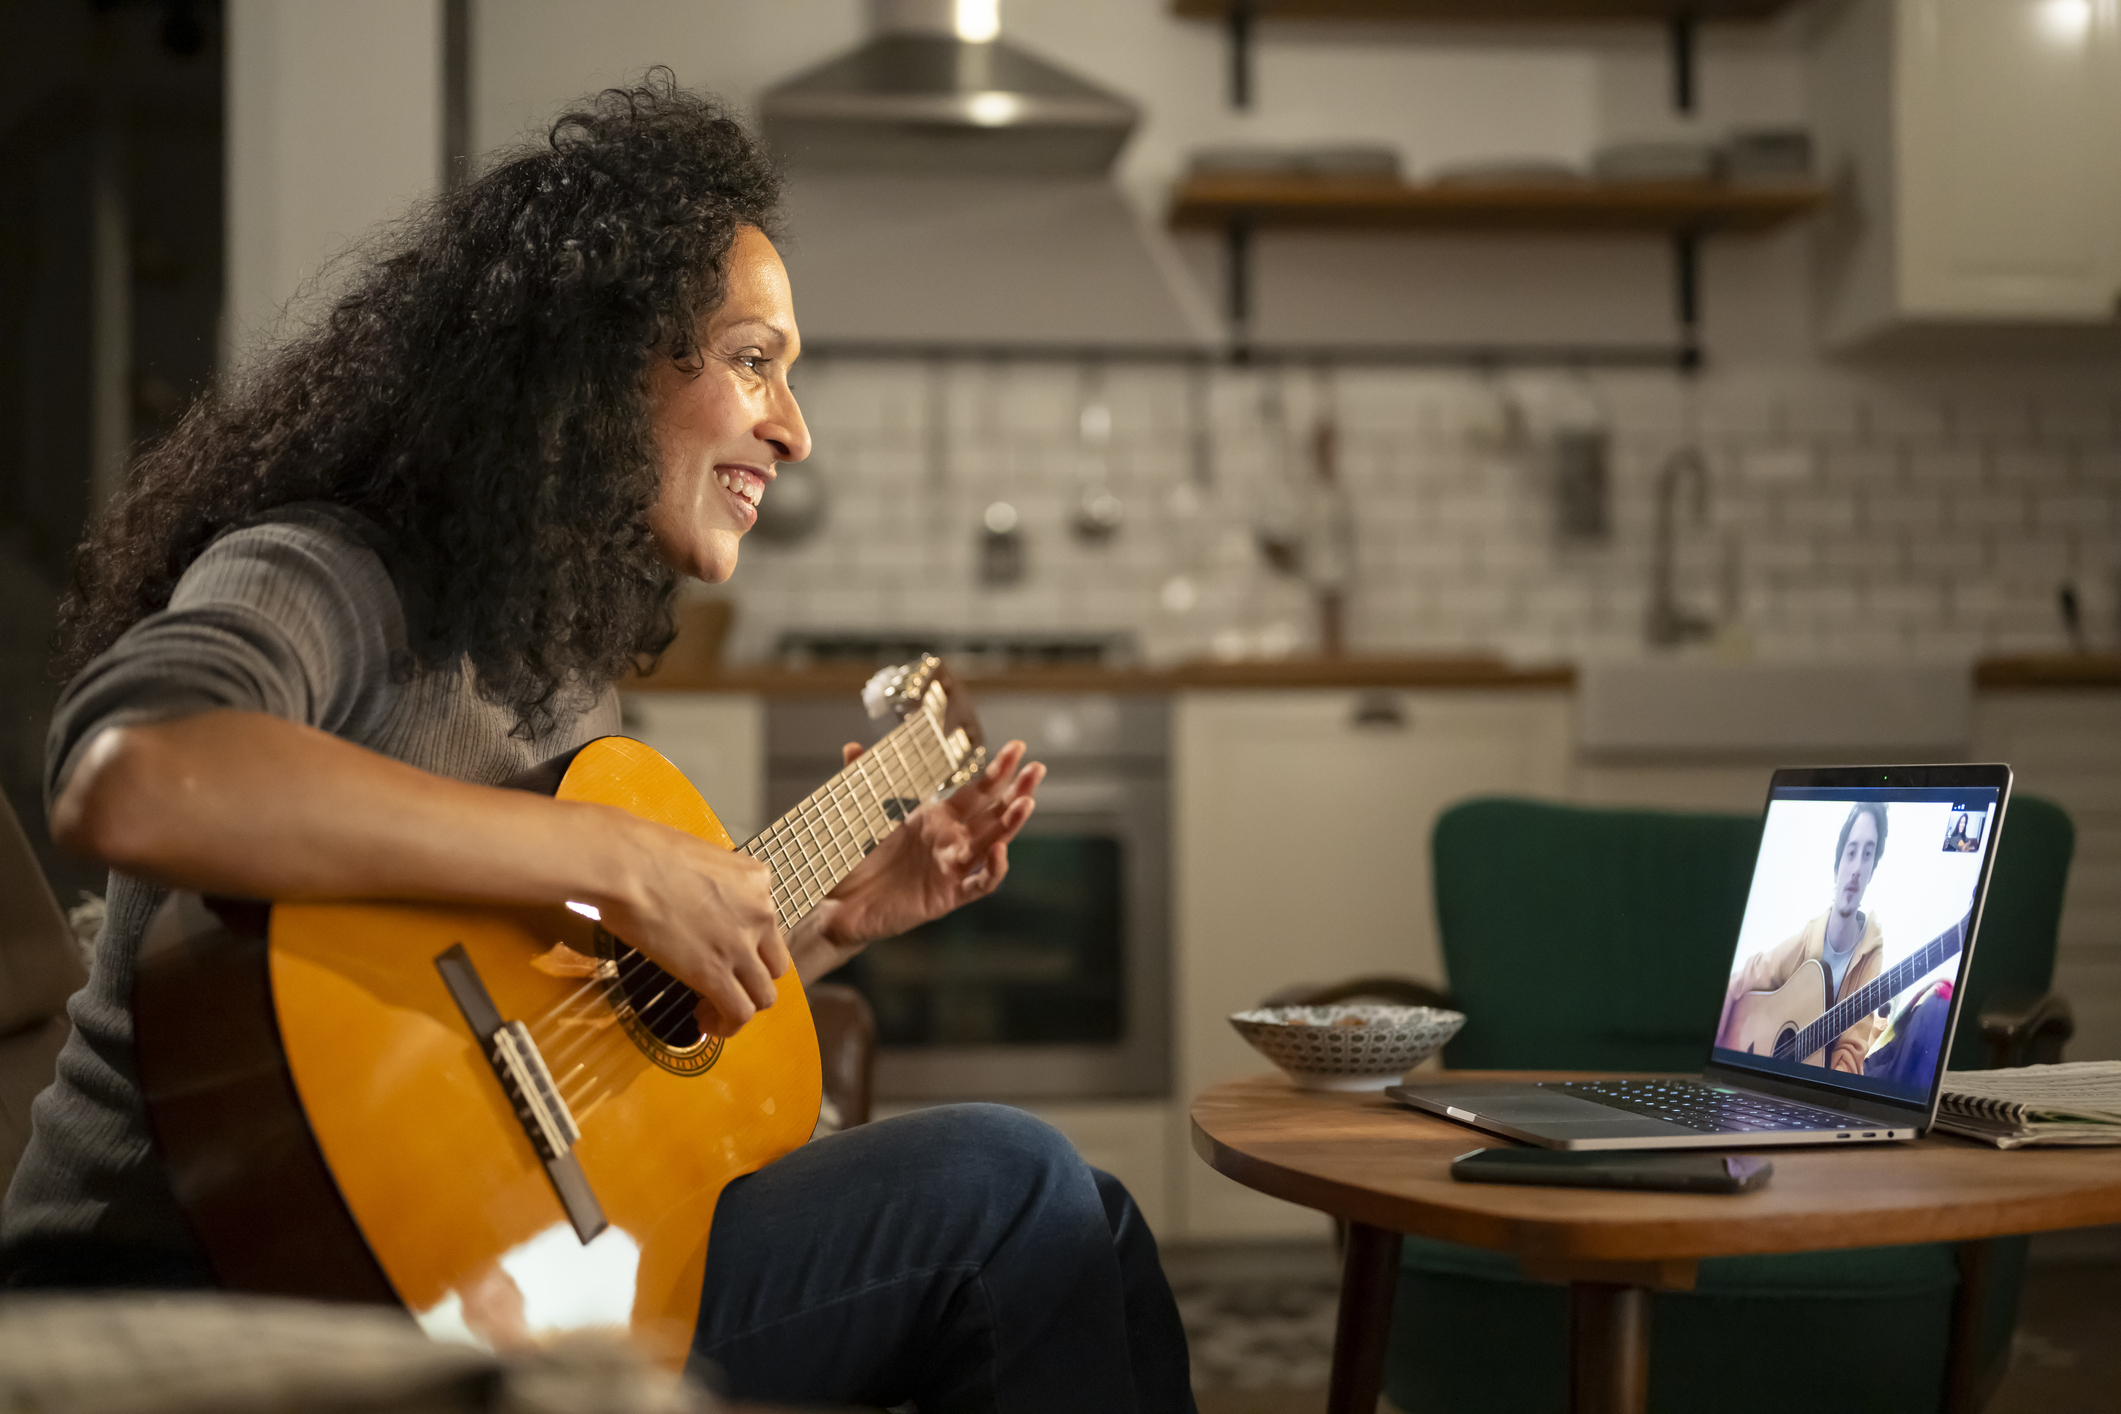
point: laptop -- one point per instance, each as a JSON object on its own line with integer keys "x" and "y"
{"x": 1843, "y": 989}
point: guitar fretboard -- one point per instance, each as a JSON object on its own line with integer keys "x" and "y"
{"x": 818, "y": 843}
{"x": 1879, "y": 990}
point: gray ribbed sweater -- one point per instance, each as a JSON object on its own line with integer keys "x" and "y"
{"x": 296, "y": 617}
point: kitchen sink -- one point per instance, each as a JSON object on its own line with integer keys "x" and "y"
{"x": 1793, "y": 712}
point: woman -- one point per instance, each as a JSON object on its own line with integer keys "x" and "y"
{"x": 408, "y": 559}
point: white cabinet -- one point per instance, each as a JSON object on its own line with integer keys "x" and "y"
{"x": 1974, "y": 144}
{"x": 1301, "y": 853}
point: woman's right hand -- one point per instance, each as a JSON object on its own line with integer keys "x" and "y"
{"x": 703, "y": 914}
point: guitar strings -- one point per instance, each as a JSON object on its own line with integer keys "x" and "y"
{"x": 811, "y": 819}
{"x": 796, "y": 895}
{"x": 1877, "y": 990}
{"x": 657, "y": 1010}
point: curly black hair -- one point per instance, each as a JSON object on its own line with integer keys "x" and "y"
{"x": 480, "y": 395}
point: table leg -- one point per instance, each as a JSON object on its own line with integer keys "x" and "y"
{"x": 1609, "y": 1348}
{"x": 1369, "y": 1278}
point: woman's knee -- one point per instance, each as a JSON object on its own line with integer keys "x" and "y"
{"x": 998, "y": 1136}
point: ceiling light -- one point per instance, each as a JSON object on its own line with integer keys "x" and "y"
{"x": 2061, "y": 21}
{"x": 978, "y": 20}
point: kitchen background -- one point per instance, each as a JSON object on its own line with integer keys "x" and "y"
{"x": 1851, "y": 514}
{"x": 1897, "y": 477}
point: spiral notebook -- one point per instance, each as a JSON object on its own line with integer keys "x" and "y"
{"x": 2078, "y": 1103}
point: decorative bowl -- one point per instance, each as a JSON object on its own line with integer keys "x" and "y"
{"x": 1351, "y": 1046}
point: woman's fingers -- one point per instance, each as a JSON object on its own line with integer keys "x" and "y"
{"x": 757, "y": 982}
{"x": 1000, "y": 826}
{"x": 990, "y": 783}
{"x": 723, "y": 1008}
{"x": 774, "y": 952}
{"x": 994, "y": 870}
{"x": 849, "y": 751}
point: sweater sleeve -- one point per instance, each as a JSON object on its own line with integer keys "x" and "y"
{"x": 293, "y": 617}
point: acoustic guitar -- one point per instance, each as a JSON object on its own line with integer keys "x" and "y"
{"x": 505, "y": 1120}
{"x": 1794, "y": 1022}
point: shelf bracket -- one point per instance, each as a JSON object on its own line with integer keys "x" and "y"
{"x": 1242, "y": 15}
{"x": 1237, "y": 279}
{"x": 1686, "y": 291}
{"x": 1680, "y": 29}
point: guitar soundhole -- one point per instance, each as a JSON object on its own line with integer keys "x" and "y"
{"x": 656, "y": 1009}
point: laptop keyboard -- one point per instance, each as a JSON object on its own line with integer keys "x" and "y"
{"x": 1704, "y": 1107}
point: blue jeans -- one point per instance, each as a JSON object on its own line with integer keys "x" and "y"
{"x": 963, "y": 1258}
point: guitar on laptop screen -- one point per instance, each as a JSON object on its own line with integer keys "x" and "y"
{"x": 504, "y": 1119}
{"x": 1834, "y": 1026}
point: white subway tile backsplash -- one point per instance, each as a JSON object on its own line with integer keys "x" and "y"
{"x": 1860, "y": 512}
{"x": 2004, "y": 512}
{"x": 1959, "y": 553}
{"x": 1900, "y": 510}
{"x": 2082, "y": 512}
{"x": 2036, "y": 569}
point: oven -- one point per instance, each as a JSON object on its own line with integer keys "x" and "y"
{"x": 1058, "y": 984}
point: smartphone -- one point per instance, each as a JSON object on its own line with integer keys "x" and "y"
{"x": 1684, "y": 1172}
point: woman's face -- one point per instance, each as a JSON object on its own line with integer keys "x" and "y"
{"x": 721, "y": 425}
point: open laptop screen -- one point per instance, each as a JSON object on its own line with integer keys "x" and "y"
{"x": 1856, "y": 934}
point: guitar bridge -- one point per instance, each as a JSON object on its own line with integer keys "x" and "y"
{"x": 547, "y": 1122}
{"x": 528, "y": 1081}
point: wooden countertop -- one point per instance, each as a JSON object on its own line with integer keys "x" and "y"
{"x": 2048, "y": 670}
{"x": 1471, "y": 671}
{"x": 2038, "y": 672}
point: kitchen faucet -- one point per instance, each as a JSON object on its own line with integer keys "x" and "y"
{"x": 1667, "y": 623}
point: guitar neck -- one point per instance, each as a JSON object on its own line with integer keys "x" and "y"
{"x": 1880, "y": 989}
{"x": 820, "y": 841}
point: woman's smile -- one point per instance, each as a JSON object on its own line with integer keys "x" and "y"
{"x": 727, "y": 416}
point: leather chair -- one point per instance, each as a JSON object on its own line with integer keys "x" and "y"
{"x": 846, "y": 1044}
{"x": 1582, "y": 939}
{"x": 40, "y": 967}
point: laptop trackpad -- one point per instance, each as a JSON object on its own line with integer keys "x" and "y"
{"x": 1550, "y": 1112}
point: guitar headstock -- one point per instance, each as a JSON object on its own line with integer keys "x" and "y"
{"x": 928, "y": 686}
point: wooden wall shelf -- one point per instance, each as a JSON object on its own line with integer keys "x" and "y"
{"x": 1202, "y": 203}
{"x": 1487, "y": 11}
{"x": 1682, "y": 212}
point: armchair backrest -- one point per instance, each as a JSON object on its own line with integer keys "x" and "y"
{"x": 2022, "y": 920}
{"x": 1589, "y": 939}
{"x": 1599, "y": 939}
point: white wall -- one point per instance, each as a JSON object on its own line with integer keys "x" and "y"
{"x": 1441, "y": 95}
{"x": 334, "y": 125}
{"x": 531, "y": 58}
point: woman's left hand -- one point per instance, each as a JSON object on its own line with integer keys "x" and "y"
{"x": 948, "y": 853}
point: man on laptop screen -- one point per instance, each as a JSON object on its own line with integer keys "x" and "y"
{"x": 1863, "y": 986}
{"x": 1833, "y": 1025}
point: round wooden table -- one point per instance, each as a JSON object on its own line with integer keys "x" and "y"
{"x": 1385, "y": 1169}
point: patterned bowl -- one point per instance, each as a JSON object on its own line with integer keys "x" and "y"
{"x": 1358, "y": 1046}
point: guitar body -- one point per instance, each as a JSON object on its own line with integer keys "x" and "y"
{"x": 1759, "y": 1019}
{"x": 335, "y": 1126}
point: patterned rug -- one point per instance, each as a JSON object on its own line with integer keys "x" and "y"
{"x": 1258, "y": 1318}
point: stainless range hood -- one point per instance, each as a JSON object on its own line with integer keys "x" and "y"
{"x": 948, "y": 190}
{"x": 937, "y": 91}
